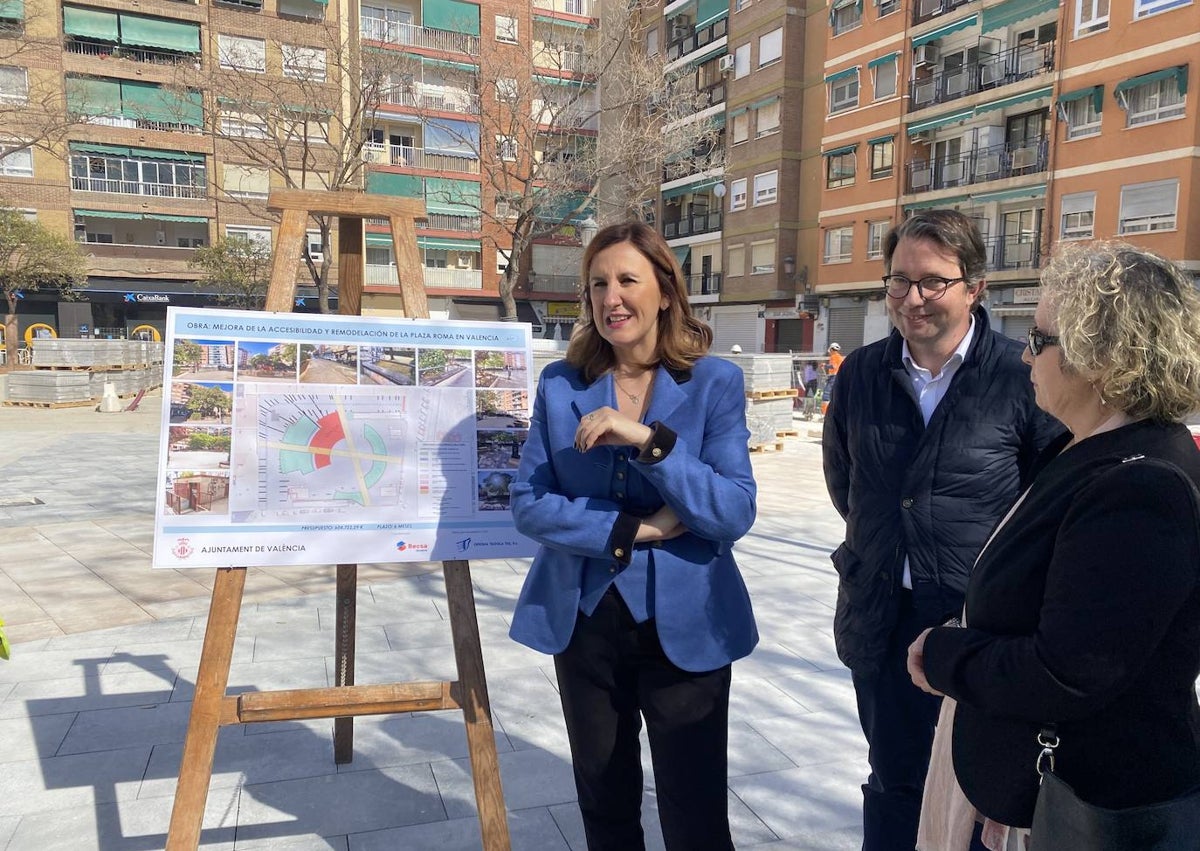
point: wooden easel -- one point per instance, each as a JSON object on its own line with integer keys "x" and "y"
{"x": 212, "y": 708}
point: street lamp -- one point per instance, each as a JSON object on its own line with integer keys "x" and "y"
{"x": 587, "y": 230}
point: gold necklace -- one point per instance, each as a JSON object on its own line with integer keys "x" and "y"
{"x": 636, "y": 398}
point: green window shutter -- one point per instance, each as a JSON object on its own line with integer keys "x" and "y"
{"x": 390, "y": 183}
{"x": 708, "y": 11}
{"x": 1096, "y": 93}
{"x": 1179, "y": 73}
{"x": 452, "y": 197}
{"x": 93, "y": 96}
{"x": 451, "y": 15}
{"x": 148, "y": 102}
{"x": 12, "y": 10}
{"x": 155, "y": 32}
{"x": 91, "y": 23}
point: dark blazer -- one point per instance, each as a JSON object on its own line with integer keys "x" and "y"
{"x": 931, "y": 493}
{"x": 1084, "y": 611}
{"x": 569, "y": 503}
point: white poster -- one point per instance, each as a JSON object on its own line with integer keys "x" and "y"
{"x": 309, "y": 439}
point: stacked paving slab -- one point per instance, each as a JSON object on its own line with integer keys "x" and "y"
{"x": 74, "y": 372}
{"x": 769, "y": 395}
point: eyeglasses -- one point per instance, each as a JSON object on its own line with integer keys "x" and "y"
{"x": 1039, "y": 339}
{"x": 930, "y": 288}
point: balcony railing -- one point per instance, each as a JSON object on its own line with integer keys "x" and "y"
{"x": 568, "y": 7}
{"x": 433, "y": 97}
{"x": 702, "y": 284}
{"x": 1020, "y": 251}
{"x": 411, "y": 35}
{"x": 141, "y": 124}
{"x": 104, "y": 50}
{"x": 459, "y": 279}
{"x": 133, "y": 187}
{"x": 690, "y": 225}
{"x": 1010, "y": 159}
{"x": 557, "y": 284}
{"x": 402, "y": 155}
{"x": 923, "y": 10}
{"x": 558, "y": 59}
{"x": 687, "y": 42}
{"x": 989, "y": 72}
{"x": 445, "y": 221}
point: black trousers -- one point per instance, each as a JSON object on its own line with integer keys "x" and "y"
{"x": 898, "y": 720}
{"x": 611, "y": 675}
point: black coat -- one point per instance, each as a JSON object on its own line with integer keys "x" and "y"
{"x": 1084, "y": 611}
{"x": 933, "y": 493}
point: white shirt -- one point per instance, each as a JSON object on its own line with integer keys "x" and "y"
{"x": 931, "y": 389}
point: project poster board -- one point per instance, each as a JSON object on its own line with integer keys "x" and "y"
{"x": 308, "y": 439}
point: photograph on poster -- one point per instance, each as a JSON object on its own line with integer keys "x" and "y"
{"x": 444, "y": 368}
{"x": 502, "y": 409}
{"x": 203, "y": 360}
{"x": 197, "y": 447}
{"x": 388, "y": 365}
{"x": 201, "y": 403}
{"x": 497, "y": 369}
{"x": 499, "y": 450}
{"x": 493, "y": 490}
{"x": 266, "y": 361}
{"x": 197, "y": 491}
{"x": 328, "y": 364}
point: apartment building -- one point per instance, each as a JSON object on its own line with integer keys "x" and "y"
{"x": 1006, "y": 112}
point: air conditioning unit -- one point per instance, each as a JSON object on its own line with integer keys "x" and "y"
{"x": 726, "y": 64}
{"x": 925, "y": 54}
{"x": 317, "y": 257}
{"x": 680, "y": 30}
{"x": 160, "y": 237}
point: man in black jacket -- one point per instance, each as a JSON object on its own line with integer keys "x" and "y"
{"x": 930, "y": 439}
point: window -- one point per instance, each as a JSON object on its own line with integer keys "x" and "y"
{"x": 1078, "y": 215}
{"x": 251, "y": 234}
{"x": 741, "y": 62}
{"x": 15, "y": 163}
{"x": 1080, "y": 116}
{"x": 737, "y": 194}
{"x": 766, "y": 188}
{"x": 770, "y": 47}
{"x": 762, "y": 257}
{"x": 843, "y": 93}
{"x": 14, "y": 84}
{"x": 1090, "y": 16}
{"x": 242, "y": 54}
{"x": 294, "y": 127}
{"x": 99, "y": 238}
{"x": 652, "y": 47}
{"x": 768, "y": 118}
{"x": 506, "y": 29}
{"x": 1147, "y": 207}
{"x": 503, "y": 257}
{"x": 506, "y": 148}
{"x": 246, "y": 181}
{"x": 738, "y": 5}
{"x": 886, "y": 7}
{"x": 845, "y": 15}
{"x": 1153, "y": 101}
{"x": 741, "y": 128}
{"x": 876, "y": 232}
{"x": 882, "y": 153}
{"x": 507, "y": 207}
{"x": 303, "y": 63}
{"x": 313, "y": 246}
{"x": 736, "y": 267}
{"x": 839, "y": 169}
{"x": 243, "y": 124}
{"x": 507, "y": 90}
{"x": 885, "y": 79}
{"x": 436, "y": 258}
{"x": 1142, "y": 8}
{"x": 839, "y": 243}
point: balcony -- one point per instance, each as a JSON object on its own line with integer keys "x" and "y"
{"x": 134, "y": 187}
{"x": 989, "y": 72}
{"x": 583, "y": 8}
{"x": 687, "y": 40}
{"x": 458, "y": 279}
{"x": 1020, "y": 251}
{"x": 924, "y": 10}
{"x": 402, "y": 155}
{"x": 411, "y": 35}
{"x": 556, "y": 58}
{"x": 143, "y": 124}
{"x": 136, "y": 259}
{"x": 709, "y": 284}
{"x": 104, "y": 50}
{"x": 1011, "y": 159}
{"x": 554, "y": 284}
{"x": 691, "y": 225}
{"x": 418, "y": 96}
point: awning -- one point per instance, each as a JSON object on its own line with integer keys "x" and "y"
{"x": 12, "y": 10}
{"x": 177, "y": 156}
{"x": 543, "y": 18}
{"x": 1004, "y": 103}
{"x": 107, "y": 214}
{"x": 171, "y": 217}
{"x": 717, "y": 48}
{"x": 759, "y": 104}
{"x": 473, "y": 311}
{"x": 1179, "y": 72}
{"x": 881, "y": 139}
{"x": 93, "y": 96}
{"x": 837, "y": 152}
{"x": 708, "y": 11}
{"x": 1007, "y": 14}
{"x": 734, "y": 113}
{"x": 883, "y": 60}
{"x": 690, "y": 188}
{"x": 91, "y": 23}
{"x": 936, "y": 202}
{"x": 446, "y": 63}
{"x": 945, "y": 30}
{"x": 450, "y": 15}
{"x": 399, "y": 185}
{"x": 154, "y": 217}
{"x": 149, "y": 102}
{"x": 93, "y": 148}
{"x": 452, "y": 197}
{"x": 547, "y": 80}
{"x": 437, "y": 243}
{"x": 1038, "y": 191}
{"x": 841, "y": 75}
{"x": 681, "y": 253}
{"x": 940, "y": 121}
{"x": 156, "y": 32}
{"x": 1096, "y": 93}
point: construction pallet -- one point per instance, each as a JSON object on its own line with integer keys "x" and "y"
{"x": 788, "y": 432}
{"x": 763, "y": 447}
{"x": 773, "y": 394}
{"x": 15, "y": 403}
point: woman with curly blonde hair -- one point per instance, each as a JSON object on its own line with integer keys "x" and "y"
{"x": 1082, "y": 614}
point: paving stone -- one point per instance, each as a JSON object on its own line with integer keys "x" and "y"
{"x": 69, "y": 782}
{"x": 33, "y": 738}
{"x": 528, "y": 829}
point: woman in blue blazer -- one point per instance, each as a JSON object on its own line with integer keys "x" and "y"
{"x": 636, "y": 481}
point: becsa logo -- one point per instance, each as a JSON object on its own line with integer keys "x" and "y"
{"x": 182, "y": 548}
{"x": 403, "y": 546}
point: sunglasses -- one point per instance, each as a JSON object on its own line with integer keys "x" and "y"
{"x": 1039, "y": 339}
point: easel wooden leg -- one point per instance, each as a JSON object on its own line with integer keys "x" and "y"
{"x": 343, "y": 653}
{"x": 212, "y": 678}
{"x": 477, "y": 712}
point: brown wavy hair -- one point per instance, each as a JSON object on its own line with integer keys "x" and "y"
{"x": 682, "y": 338}
{"x": 1128, "y": 321}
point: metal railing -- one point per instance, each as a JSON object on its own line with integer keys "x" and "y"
{"x": 445, "y": 221}
{"x": 692, "y": 40}
{"x": 709, "y": 284}
{"x": 430, "y": 97}
{"x": 923, "y": 10}
{"x": 394, "y": 32}
{"x": 1020, "y": 251}
{"x": 460, "y": 279}
{"x": 1010, "y": 159}
{"x": 402, "y": 155}
{"x": 557, "y": 58}
{"x": 568, "y": 7}
{"x": 988, "y": 72}
{"x": 689, "y": 225}
{"x": 559, "y": 284}
{"x": 133, "y": 187}
{"x": 142, "y": 124}
{"x": 105, "y": 50}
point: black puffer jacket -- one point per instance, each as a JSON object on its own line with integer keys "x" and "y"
{"x": 932, "y": 493}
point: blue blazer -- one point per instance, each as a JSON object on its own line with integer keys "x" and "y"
{"x": 568, "y": 501}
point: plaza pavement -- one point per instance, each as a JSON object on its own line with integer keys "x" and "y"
{"x": 95, "y": 701}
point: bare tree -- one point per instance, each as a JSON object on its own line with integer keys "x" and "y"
{"x": 32, "y": 258}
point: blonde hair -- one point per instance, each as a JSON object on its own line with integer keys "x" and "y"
{"x": 1128, "y": 321}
